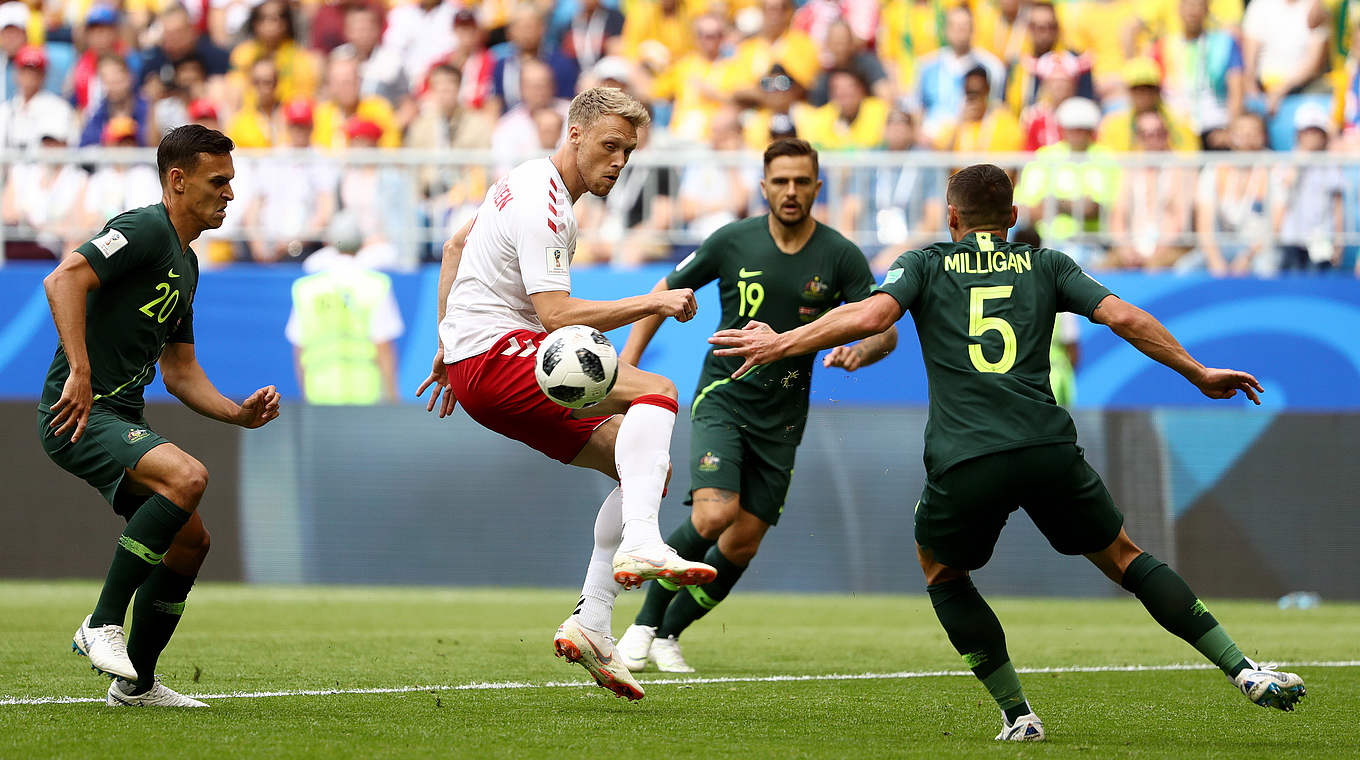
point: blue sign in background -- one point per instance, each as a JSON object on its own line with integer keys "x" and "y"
{"x": 1300, "y": 336}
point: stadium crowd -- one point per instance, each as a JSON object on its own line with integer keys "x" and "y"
{"x": 1074, "y": 85}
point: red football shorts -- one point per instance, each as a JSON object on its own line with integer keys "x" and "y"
{"x": 499, "y": 391}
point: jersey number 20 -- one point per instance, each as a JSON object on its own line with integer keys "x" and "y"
{"x": 979, "y": 325}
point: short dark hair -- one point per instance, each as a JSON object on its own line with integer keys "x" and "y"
{"x": 790, "y": 146}
{"x": 982, "y": 194}
{"x": 181, "y": 146}
{"x": 848, "y": 72}
{"x": 978, "y": 71}
{"x": 447, "y": 68}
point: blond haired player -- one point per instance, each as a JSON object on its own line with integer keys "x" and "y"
{"x": 504, "y": 285}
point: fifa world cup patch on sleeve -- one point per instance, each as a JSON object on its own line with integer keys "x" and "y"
{"x": 110, "y": 242}
{"x": 557, "y": 261}
{"x": 893, "y": 276}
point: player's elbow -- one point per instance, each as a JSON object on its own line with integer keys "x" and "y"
{"x": 1120, "y": 316}
{"x": 877, "y": 315}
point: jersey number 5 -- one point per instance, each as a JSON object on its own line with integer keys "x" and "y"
{"x": 979, "y": 325}
{"x": 752, "y": 295}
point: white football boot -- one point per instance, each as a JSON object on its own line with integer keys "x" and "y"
{"x": 159, "y": 695}
{"x": 106, "y": 647}
{"x": 1026, "y": 728}
{"x": 632, "y": 569}
{"x": 634, "y": 646}
{"x": 1268, "y": 687}
{"x": 666, "y": 654}
{"x": 594, "y": 651}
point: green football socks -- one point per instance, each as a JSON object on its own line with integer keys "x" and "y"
{"x": 686, "y": 542}
{"x": 689, "y": 607}
{"x": 975, "y": 632}
{"x": 145, "y": 540}
{"x": 1174, "y": 606}
{"x": 155, "y": 613}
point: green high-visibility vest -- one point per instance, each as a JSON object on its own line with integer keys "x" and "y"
{"x": 334, "y": 311}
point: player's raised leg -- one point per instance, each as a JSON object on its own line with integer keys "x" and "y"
{"x": 642, "y": 461}
{"x": 177, "y": 482}
{"x": 1175, "y": 607}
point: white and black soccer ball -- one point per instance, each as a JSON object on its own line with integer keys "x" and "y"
{"x": 576, "y": 366}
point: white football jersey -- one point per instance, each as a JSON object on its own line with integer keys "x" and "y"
{"x": 521, "y": 243}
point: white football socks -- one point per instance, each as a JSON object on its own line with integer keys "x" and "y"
{"x": 596, "y": 608}
{"x": 642, "y": 454}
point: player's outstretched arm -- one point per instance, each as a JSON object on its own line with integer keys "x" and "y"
{"x": 642, "y": 331}
{"x": 1145, "y": 333}
{"x": 186, "y": 381}
{"x": 758, "y": 344}
{"x": 448, "y": 272}
{"x": 863, "y": 353}
{"x": 556, "y": 308}
{"x": 67, "y": 286}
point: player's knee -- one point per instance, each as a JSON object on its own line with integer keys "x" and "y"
{"x": 742, "y": 551}
{"x": 710, "y": 523}
{"x": 662, "y": 386}
{"x": 190, "y": 482}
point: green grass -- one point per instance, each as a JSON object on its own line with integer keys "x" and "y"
{"x": 237, "y": 638}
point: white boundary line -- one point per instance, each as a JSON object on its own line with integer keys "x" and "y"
{"x": 501, "y": 685}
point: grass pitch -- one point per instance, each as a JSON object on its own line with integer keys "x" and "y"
{"x": 317, "y": 639}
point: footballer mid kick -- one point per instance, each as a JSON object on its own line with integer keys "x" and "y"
{"x": 995, "y": 440}
{"x": 504, "y": 285}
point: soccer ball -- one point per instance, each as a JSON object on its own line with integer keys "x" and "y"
{"x": 576, "y": 366}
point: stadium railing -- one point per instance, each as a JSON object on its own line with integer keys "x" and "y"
{"x": 414, "y": 199}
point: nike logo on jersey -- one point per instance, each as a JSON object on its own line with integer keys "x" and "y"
{"x": 172, "y": 274}
{"x": 743, "y": 273}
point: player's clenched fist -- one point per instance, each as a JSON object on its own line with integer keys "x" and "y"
{"x": 678, "y": 303}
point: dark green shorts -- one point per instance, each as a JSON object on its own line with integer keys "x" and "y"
{"x": 111, "y": 445}
{"x": 961, "y": 513}
{"x": 724, "y": 455}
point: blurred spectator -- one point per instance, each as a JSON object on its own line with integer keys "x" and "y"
{"x": 380, "y": 68}
{"x": 1312, "y": 217}
{"x": 1232, "y": 202}
{"x": 524, "y": 43}
{"x": 1025, "y": 77}
{"x": 1144, "y": 82}
{"x": 595, "y": 31}
{"x": 516, "y": 135}
{"x": 344, "y": 101}
{"x": 1151, "y": 222}
{"x": 172, "y": 109}
{"x": 204, "y": 112}
{"x": 381, "y": 198}
{"x": 983, "y": 125}
{"x": 295, "y": 193}
{"x": 816, "y": 17}
{"x": 101, "y": 39}
{"x": 46, "y": 200}
{"x": 699, "y": 83}
{"x": 853, "y": 120}
{"x": 259, "y": 123}
{"x": 32, "y": 111}
{"x": 844, "y": 52}
{"x": 343, "y": 324}
{"x": 777, "y": 43}
{"x": 180, "y": 39}
{"x": 115, "y": 188}
{"x": 782, "y": 97}
{"x": 16, "y": 24}
{"x": 445, "y": 123}
{"x": 664, "y": 23}
{"x": 119, "y": 100}
{"x": 1002, "y": 28}
{"x": 1065, "y": 187}
{"x": 548, "y": 125}
{"x": 1203, "y": 70}
{"x": 328, "y": 25}
{"x": 909, "y": 29}
{"x": 1284, "y": 48}
{"x": 421, "y": 33}
{"x": 939, "y": 74}
{"x": 271, "y": 34}
{"x": 712, "y": 194}
{"x": 1100, "y": 29}
{"x": 472, "y": 59}
{"x": 1057, "y": 73}
{"x": 1159, "y": 19}
{"x": 904, "y": 201}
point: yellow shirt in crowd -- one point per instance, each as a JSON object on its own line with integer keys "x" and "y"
{"x": 328, "y": 123}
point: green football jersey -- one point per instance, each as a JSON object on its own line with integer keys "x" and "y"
{"x": 984, "y": 311}
{"x": 756, "y": 280}
{"x": 144, "y": 300}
